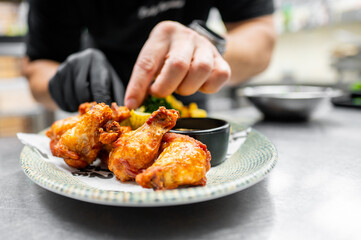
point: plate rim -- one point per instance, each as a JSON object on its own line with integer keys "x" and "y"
{"x": 158, "y": 198}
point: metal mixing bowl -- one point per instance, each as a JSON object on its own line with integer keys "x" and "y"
{"x": 288, "y": 102}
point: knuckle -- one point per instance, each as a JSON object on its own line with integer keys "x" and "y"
{"x": 223, "y": 74}
{"x": 166, "y": 27}
{"x": 216, "y": 81}
{"x": 178, "y": 63}
{"x": 202, "y": 66}
{"x": 204, "y": 40}
{"x": 147, "y": 64}
{"x": 191, "y": 33}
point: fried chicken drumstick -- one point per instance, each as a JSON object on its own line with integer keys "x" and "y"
{"x": 150, "y": 155}
{"x": 182, "y": 161}
{"x": 59, "y": 127}
{"x": 136, "y": 150}
{"x": 90, "y": 124}
{"x": 80, "y": 145}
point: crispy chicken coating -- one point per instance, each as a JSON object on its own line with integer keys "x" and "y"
{"x": 120, "y": 113}
{"x": 182, "y": 161}
{"x": 80, "y": 145}
{"x": 108, "y": 135}
{"x": 111, "y": 132}
{"x": 84, "y": 107}
{"x": 136, "y": 150}
{"x": 59, "y": 127}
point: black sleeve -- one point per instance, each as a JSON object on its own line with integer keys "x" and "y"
{"x": 54, "y": 30}
{"x": 234, "y": 11}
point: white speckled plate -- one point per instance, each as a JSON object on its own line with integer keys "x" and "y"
{"x": 252, "y": 161}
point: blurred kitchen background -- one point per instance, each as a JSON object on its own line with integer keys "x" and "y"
{"x": 319, "y": 43}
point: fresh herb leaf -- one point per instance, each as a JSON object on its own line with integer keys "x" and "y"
{"x": 152, "y": 104}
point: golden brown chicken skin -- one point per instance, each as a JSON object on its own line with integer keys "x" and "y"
{"x": 111, "y": 132}
{"x": 182, "y": 161}
{"x": 120, "y": 113}
{"x": 136, "y": 150}
{"x": 59, "y": 127}
{"x": 85, "y": 107}
{"x": 108, "y": 135}
{"x": 80, "y": 145}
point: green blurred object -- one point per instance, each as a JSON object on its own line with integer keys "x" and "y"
{"x": 287, "y": 16}
{"x": 356, "y": 101}
{"x": 152, "y": 104}
{"x": 356, "y": 86}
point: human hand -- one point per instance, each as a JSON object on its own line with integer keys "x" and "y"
{"x": 180, "y": 60}
{"x": 85, "y": 77}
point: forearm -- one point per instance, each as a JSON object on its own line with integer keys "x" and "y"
{"x": 249, "y": 47}
{"x": 38, "y": 73}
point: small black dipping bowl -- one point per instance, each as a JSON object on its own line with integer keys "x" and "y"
{"x": 210, "y": 131}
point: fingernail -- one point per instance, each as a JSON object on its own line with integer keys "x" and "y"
{"x": 131, "y": 103}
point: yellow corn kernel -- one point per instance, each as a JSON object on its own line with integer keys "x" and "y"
{"x": 198, "y": 113}
{"x": 185, "y": 112}
{"x": 192, "y": 106}
{"x": 174, "y": 102}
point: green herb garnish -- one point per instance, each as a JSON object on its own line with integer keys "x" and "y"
{"x": 152, "y": 104}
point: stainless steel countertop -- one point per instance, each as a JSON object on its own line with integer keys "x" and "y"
{"x": 314, "y": 192}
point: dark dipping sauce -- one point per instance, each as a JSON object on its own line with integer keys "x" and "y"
{"x": 214, "y": 133}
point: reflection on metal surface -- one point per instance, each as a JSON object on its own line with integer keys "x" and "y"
{"x": 288, "y": 102}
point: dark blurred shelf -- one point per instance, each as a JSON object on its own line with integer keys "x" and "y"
{"x": 346, "y": 101}
{"x": 12, "y": 39}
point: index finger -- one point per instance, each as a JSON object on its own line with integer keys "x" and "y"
{"x": 150, "y": 59}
